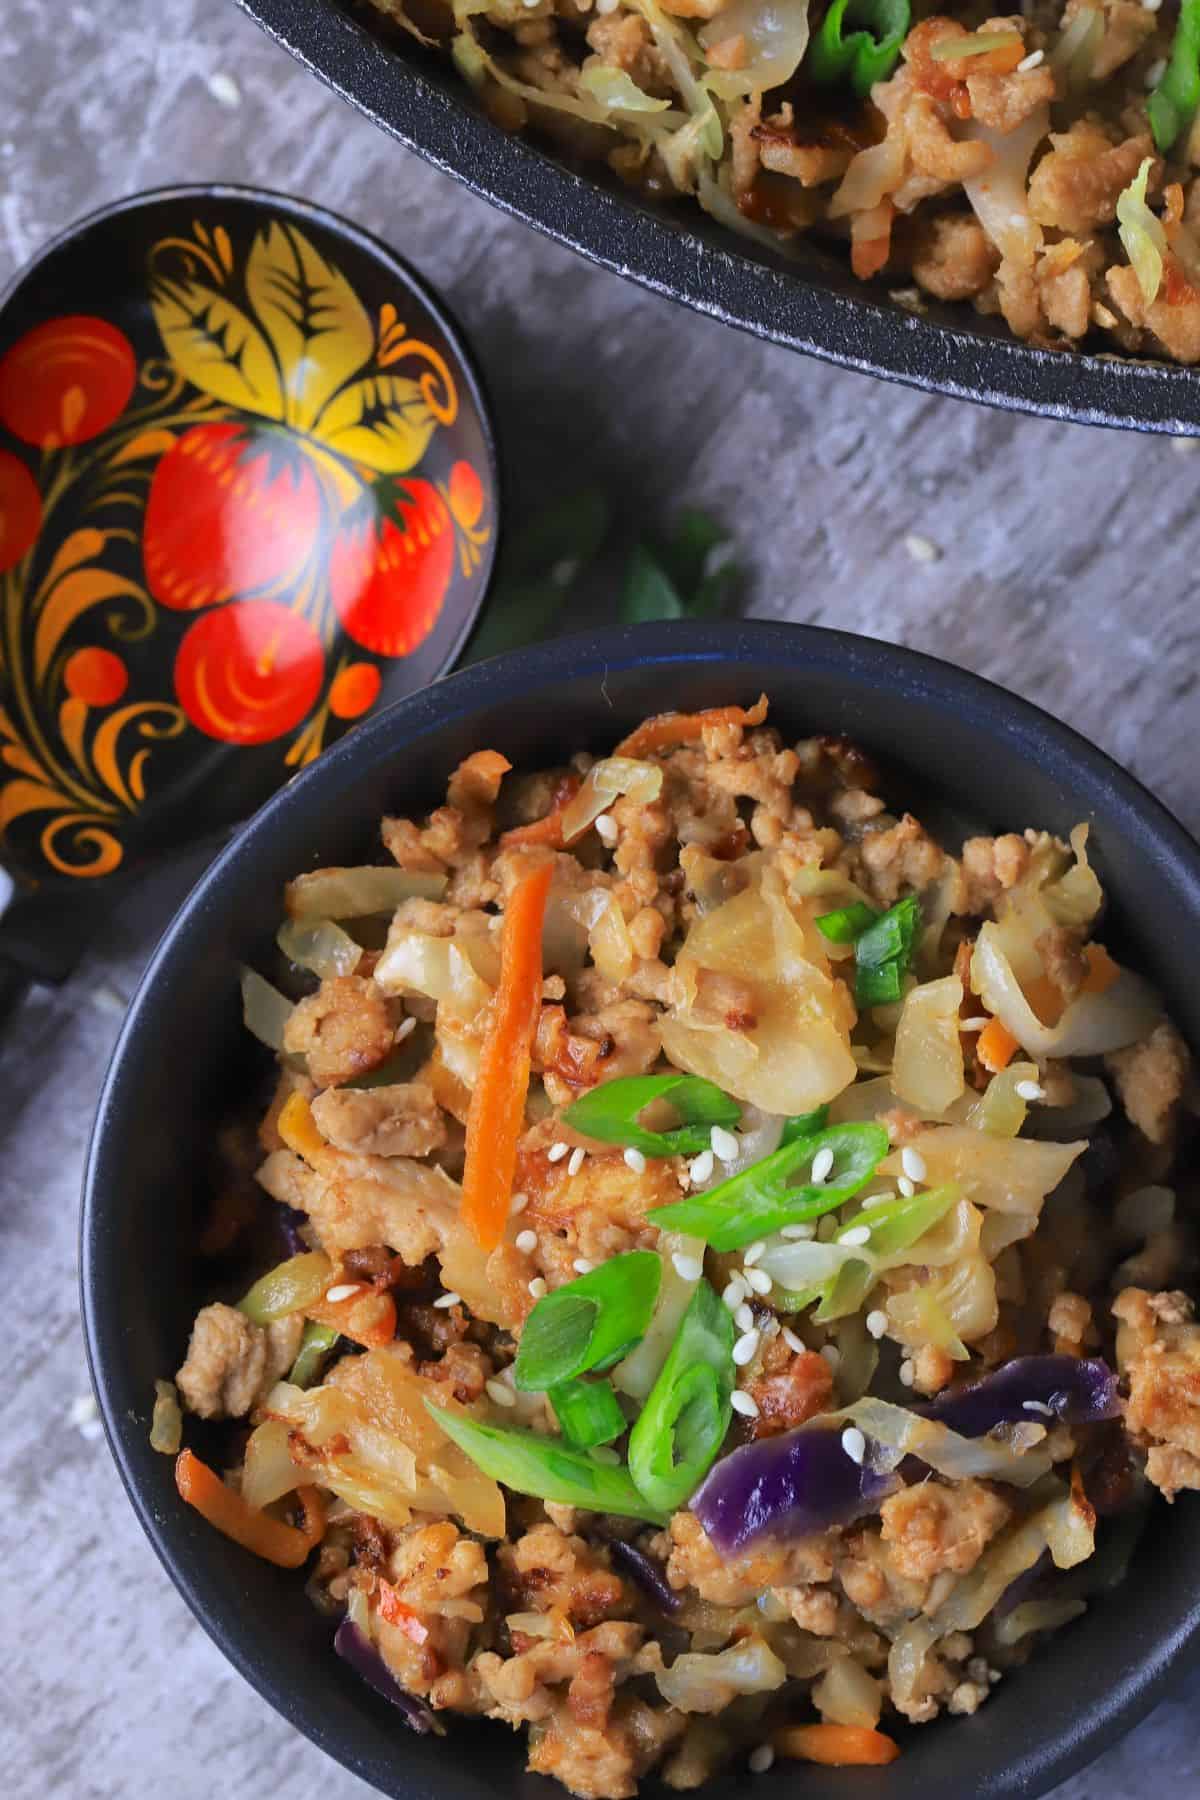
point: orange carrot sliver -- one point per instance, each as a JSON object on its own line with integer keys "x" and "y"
{"x": 547, "y": 829}
{"x": 298, "y": 1129}
{"x": 257, "y": 1531}
{"x": 665, "y": 730}
{"x": 1102, "y": 970}
{"x": 837, "y": 1746}
{"x": 498, "y": 1102}
{"x": 397, "y": 1612}
{"x": 995, "y": 1046}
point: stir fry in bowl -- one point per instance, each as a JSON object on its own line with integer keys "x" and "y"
{"x": 738, "y": 1246}
{"x": 1039, "y": 165}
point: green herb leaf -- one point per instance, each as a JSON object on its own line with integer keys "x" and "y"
{"x": 315, "y": 1345}
{"x": 588, "y": 1413}
{"x": 588, "y": 1323}
{"x": 1176, "y": 96}
{"x": 611, "y": 1111}
{"x": 686, "y": 1416}
{"x": 889, "y": 936}
{"x": 865, "y": 56}
{"x": 803, "y": 1125}
{"x": 766, "y": 1196}
{"x": 846, "y": 923}
{"x": 879, "y": 987}
{"x": 531, "y": 1464}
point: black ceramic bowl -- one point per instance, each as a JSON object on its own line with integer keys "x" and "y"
{"x": 968, "y": 756}
{"x": 809, "y": 300}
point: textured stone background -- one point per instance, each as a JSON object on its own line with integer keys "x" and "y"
{"x": 1067, "y": 571}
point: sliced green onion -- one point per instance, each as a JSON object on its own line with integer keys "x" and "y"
{"x": 879, "y": 987}
{"x": 589, "y": 1323}
{"x": 683, "y": 1424}
{"x": 847, "y": 922}
{"x": 588, "y": 1413}
{"x": 762, "y": 1198}
{"x": 900, "y": 1223}
{"x": 545, "y": 1468}
{"x": 315, "y": 1345}
{"x": 287, "y": 1287}
{"x": 890, "y": 936}
{"x": 803, "y": 1125}
{"x": 847, "y": 1291}
{"x": 611, "y": 1111}
{"x": 865, "y": 56}
{"x": 1177, "y": 93}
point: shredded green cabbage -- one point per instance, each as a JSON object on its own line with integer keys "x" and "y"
{"x": 1142, "y": 234}
{"x": 617, "y": 92}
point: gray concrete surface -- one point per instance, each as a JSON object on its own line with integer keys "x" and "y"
{"x": 1065, "y": 567}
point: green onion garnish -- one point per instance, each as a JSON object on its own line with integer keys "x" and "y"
{"x": 611, "y": 1111}
{"x": 315, "y": 1345}
{"x": 891, "y": 936}
{"x": 899, "y": 1223}
{"x": 287, "y": 1288}
{"x": 683, "y": 1425}
{"x": 865, "y": 56}
{"x": 765, "y": 1197}
{"x": 803, "y": 1125}
{"x": 879, "y": 987}
{"x": 847, "y": 922}
{"x": 587, "y": 1412}
{"x": 1176, "y": 95}
{"x": 588, "y": 1324}
{"x": 546, "y": 1468}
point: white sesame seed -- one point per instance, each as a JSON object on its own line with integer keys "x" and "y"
{"x": 761, "y": 1758}
{"x": 345, "y": 1290}
{"x": 606, "y": 829}
{"x": 725, "y": 1146}
{"x": 908, "y": 1373}
{"x": 582, "y": 1266}
{"x": 913, "y": 1163}
{"x": 745, "y": 1349}
{"x": 701, "y": 1167}
{"x": 744, "y": 1403}
{"x": 446, "y": 1301}
{"x": 877, "y": 1200}
{"x": 759, "y": 1280}
{"x": 980, "y": 1023}
{"x": 576, "y": 1162}
{"x": 822, "y": 1164}
{"x": 792, "y": 1341}
{"x": 854, "y": 1443}
{"x": 1151, "y": 6}
{"x": 1154, "y": 75}
{"x": 907, "y": 1188}
{"x": 857, "y": 1234}
{"x": 753, "y": 1251}
{"x": 1039, "y": 1406}
{"x": 1033, "y": 61}
{"x": 635, "y": 1160}
{"x": 518, "y": 1203}
{"x": 405, "y": 1028}
{"x": 537, "y": 1287}
{"x": 556, "y": 1152}
{"x": 601, "y": 1453}
{"x": 734, "y": 1293}
{"x": 688, "y": 1268}
{"x": 799, "y": 1232}
{"x": 1030, "y": 1090}
{"x": 923, "y": 549}
{"x": 832, "y": 1354}
{"x": 500, "y": 1392}
{"x": 877, "y": 1322}
{"x": 526, "y": 1242}
{"x": 743, "y": 1318}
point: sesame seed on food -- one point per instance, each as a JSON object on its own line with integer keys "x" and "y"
{"x": 908, "y": 1373}
{"x": 854, "y": 1443}
{"x": 799, "y": 1232}
{"x": 576, "y": 1162}
{"x": 1033, "y": 61}
{"x": 761, "y": 1758}
{"x": 734, "y": 1293}
{"x": 500, "y": 1392}
{"x": 979, "y": 1023}
{"x": 688, "y": 1268}
{"x": 913, "y": 1163}
{"x": 446, "y": 1301}
{"x": 582, "y": 1266}
{"x": 518, "y": 1203}
{"x": 857, "y": 1234}
{"x": 537, "y": 1287}
{"x": 556, "y": 1152}
{"x": 832, "y": 1355}
{"x": 405, "y": 1028}
{"x": 345, "y": 1290}
{"x": 907, "y": 1188}
{"x": 792, "y": 1341}
{"x": 744, "y": 1403}
{"x": 743, "y": 1318}
{"x": 701, "y": 1167}
{"x": 526, "y": 1241}
{"x": 1030, "y": 1090}
{"x": 877, "y": 1200}
{"x": 745, "y": 1349}
{"x": 752, "y": 1252}
{"x": 759, "y": 1280}
{"x": 725, "y": 1146}
{"x": 822, "y": 1164}
{"x": 877, "y": 1322}
{"x": 635, "y": 1160}
{"x": 606, "y": 829}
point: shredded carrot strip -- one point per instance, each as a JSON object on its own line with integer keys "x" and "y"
{"x": 1102, "y": 970}
{"x": 498, "y": 1102}
{"x": 269, "y": 1538}
{"x": 995, "y": 1046}
{"x": 368, "y": 1318}
{"x": 665, "y": 730}
{"x": 837, "y": 1746}
{"x": 397, "y": 1612}
{"x": 298, "y": 1129}
{"x": 548, "y": 829}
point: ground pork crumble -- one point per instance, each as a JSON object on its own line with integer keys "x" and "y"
{"x": 680, "y": 933}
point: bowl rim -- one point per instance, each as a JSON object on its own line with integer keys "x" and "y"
{"x": 1019, "y": 724}
{"x": 764, "y": 295}
{"x": 368, "y": 244}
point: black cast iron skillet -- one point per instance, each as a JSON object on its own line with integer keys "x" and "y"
{"x": 968, "y": 756}
{"x": 809, "y": 301}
